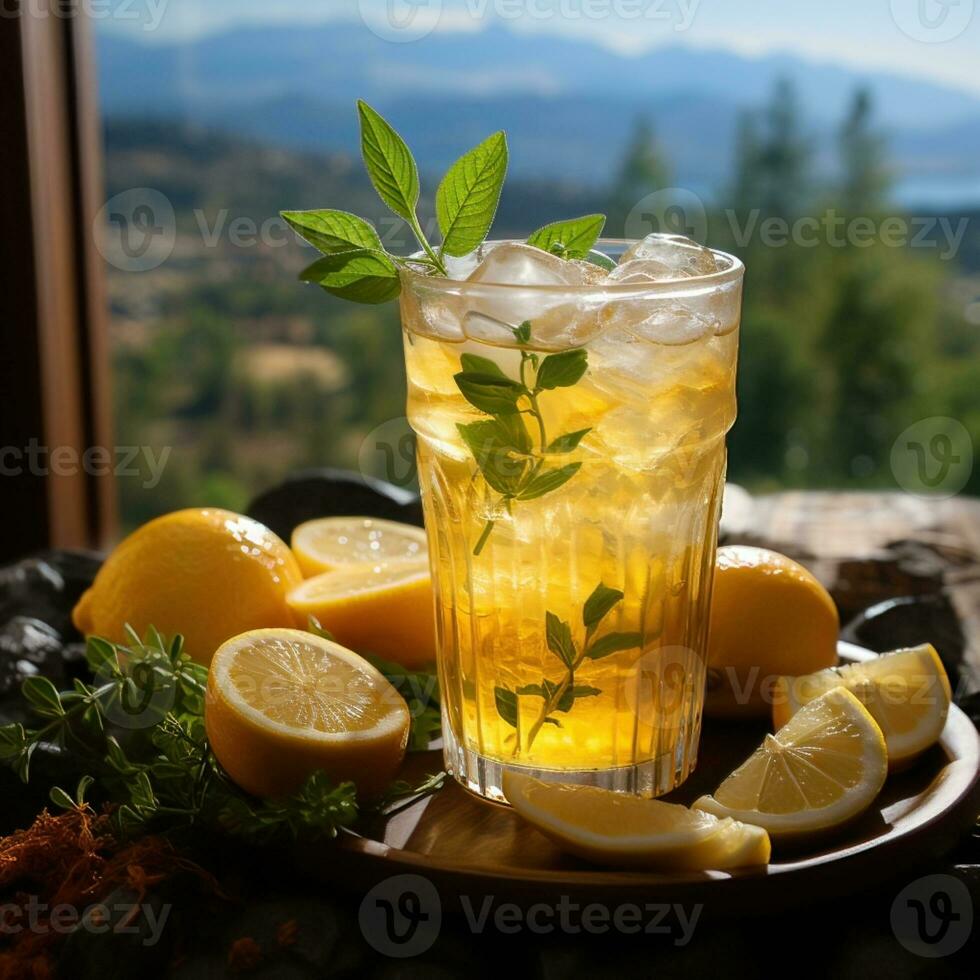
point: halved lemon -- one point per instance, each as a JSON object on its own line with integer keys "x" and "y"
{"x": 618, "y": 830}
{"x": 329, "y": 543}
{"x": 906, "y": 691}
{"x": 282, "y": 704}
{"x": 822, "y": 768}
{"x": 386, "y": 610}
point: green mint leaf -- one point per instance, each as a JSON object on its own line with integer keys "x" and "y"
{"x": 576, "y": 236}
{"x": 613, "y": 643}
{"x": 364, "y": 276}
{"x": 474, "y": 364}
{"x": 523, "y": 333}
{"x": 567, "y": 442}
{"x": 43, "y": 696}
{"x": 490, "y": 393}
{"x": 571, "y": 694}
{"x": 333, "y": 231}
{"x": 562, "y": 370}
{"x": 389, "y": 162}
{"x": 559, "y": 636}
{"x": 603, "y": 261}
{"x": 534, "y": 689}
{"x": 488, "y": 443}
{"x": 598, "y": 604}
{"x": 467, "y": 197}
{"x": 548, "y": 480}
{"x": 506, "y": 701}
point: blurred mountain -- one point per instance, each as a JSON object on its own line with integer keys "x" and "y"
{"x": 567, "y": 105}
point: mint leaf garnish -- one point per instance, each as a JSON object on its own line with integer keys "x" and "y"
{"x": 389, "y": 162}
{"x": 567, "y": 442}
{"x": 613, "y": 643}
{"x": 364, "y": 276}
{"x": 598, "y": 605}
{"x": 467, "y": 197}
{"x": 548, "y": 480}
{"x": 562, "y": 694}
{"x": 572, "y": 239}
{"x": 562, "y": 370}
{"x": 333, "y": 231}
{"x": 466, "y": 202}
{"x": 502, "y": 445}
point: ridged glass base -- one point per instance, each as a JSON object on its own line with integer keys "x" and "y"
{"x": 485, "y": 776}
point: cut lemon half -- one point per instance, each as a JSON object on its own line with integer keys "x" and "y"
{"x": 282, "y": 704}
{"x": 618, "y": 830}
{"x": 906, "y": 691}
{"x": 822, "y": 768}
{"x": 329, "y": 543}
{"x": 385, "y": 610}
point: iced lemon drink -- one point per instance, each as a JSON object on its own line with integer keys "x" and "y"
{"x": 571, "y": 419}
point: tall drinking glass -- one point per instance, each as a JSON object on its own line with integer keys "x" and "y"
{"x": 571, "y": 449}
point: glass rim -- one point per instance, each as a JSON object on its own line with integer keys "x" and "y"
{"x": 732, "y": 272}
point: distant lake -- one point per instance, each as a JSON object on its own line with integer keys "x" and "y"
{"x": 946, "y": 193}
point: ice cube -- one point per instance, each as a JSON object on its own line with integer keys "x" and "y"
{"x": 685, "y": 257}
{"x": 558, "y": 318}
{"x": 463, "y": 266}
{"x": 667, "y": 323}
{"x": 512, "y": 264}
{"x": 640, "y": 271}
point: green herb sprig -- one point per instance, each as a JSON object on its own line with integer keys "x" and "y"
{"x": 136, "y": 738}
{"x": 502, "y": 445}
{"x": 356, "y": 265}
{"x": 560, "y": 695}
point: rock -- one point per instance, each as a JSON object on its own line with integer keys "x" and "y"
{"x": 332, "y": 493}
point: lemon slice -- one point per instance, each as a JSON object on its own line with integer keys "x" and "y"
{"x": 385, "y": 610}
{"x": 822, "y": 768}
{"x": 283, "y": 703}
{"x": 328, "y": 543}
{"x": 906, "y": 691}
{"x": 619, "y": 830}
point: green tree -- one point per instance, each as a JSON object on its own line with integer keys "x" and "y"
{"x": 643, "y": 170}
{"x": 864, "y": 181}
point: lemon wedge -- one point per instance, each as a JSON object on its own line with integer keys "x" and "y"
{"x": 618, "y": 830}
{"x": 383, "y": 609}
{"x": 906, "y": 691}
{"x": 329, "y": 543}
{"x": 282, "y": 704}
{"x": 822, "y": 768}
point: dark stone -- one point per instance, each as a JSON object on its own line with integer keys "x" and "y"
{"x": 332, "y": 493}
{"x": 46, "y": 587}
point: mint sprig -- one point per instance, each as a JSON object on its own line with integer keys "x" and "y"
{"x": 358, "y": 266}
{"x": 572, "y": 239}
{"x": 502, "y": 445}
{"x": 560, "y": 695}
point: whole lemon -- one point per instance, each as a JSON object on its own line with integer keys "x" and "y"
{"x": 206, "y": 573}
{"x": 769, "y": 617}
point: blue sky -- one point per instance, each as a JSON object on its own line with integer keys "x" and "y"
{"x": 935, "y": 39}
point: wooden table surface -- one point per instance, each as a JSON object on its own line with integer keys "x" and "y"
{"x": 868, "y": 548}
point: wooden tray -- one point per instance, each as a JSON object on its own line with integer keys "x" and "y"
{"x": 467, "y": 846}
